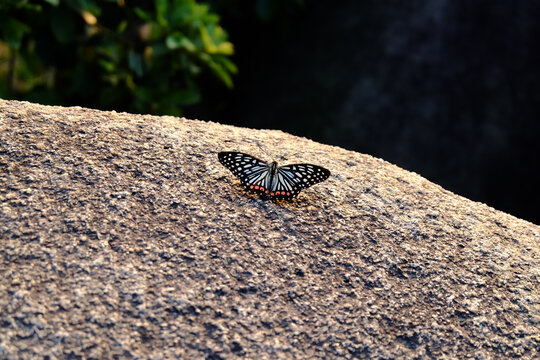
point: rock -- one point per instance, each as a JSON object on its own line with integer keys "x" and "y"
{"x": 122, "y": 236}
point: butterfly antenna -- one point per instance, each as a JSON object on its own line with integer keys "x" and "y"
{"x": 260, "y": 147}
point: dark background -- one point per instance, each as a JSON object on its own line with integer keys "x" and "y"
{"x": 447, "y": 89}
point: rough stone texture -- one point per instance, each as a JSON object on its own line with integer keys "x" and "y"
{"x": 122, "y": 236}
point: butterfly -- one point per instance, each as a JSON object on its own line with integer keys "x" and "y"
{"x": 270, "y": 181}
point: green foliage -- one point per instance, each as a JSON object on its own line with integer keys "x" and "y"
{"x": 141, "y": 56}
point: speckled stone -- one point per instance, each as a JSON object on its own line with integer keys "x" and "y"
{"x": 122, "y": 236}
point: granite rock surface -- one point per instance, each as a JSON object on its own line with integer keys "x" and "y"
{"x": 121, "y": 236}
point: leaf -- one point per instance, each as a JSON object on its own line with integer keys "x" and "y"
{"x": 221, "y": 73}
{"x": 122, "y": 26}
{"x": 188, "y": 45}
{"x": 112, "y": 51}
{"x": 53, "y": 2}
{"x": 13, "y": 32}
{"x": 89, "y": 18}
{"x": 225, "y": 48}
{"x": 62, "y": 24}
{"x": 108, "y": 66}
{"x": 161, "y": 11}
{"x": 177, "y": 40}
{"x": 90, "y": 6}
{"x": 209, "y": 45}
{"x": 159, "y": 50}
{"x": 135, "y": 63}
{"x": 217, "y": 36}
{"x": 184, "y": 97}
{"x": 181, "y": 14}
{"x": 228, "y": 64}
{"x": 142, "y": 94}
{"x": 144, "y": 15}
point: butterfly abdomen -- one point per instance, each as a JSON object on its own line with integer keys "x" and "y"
{"x": 272, "y": 173}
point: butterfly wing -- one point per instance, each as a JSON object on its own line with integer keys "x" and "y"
{"x": 252, "y": 172}
{"x": 291, "y": 179}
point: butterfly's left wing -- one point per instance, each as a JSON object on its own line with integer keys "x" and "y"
{"x": 252, "y": 172}
{"x": 291, "y": 179}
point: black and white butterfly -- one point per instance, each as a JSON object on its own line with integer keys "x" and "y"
{"x": 270, "y": 181}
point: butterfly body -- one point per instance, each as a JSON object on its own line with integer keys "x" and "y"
{"x": 269, "y": 180}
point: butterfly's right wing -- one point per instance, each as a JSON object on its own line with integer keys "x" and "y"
{"x": 304, "y": 175}
{"x": 291, "y": 179}
{"x": 252, "y": 172}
